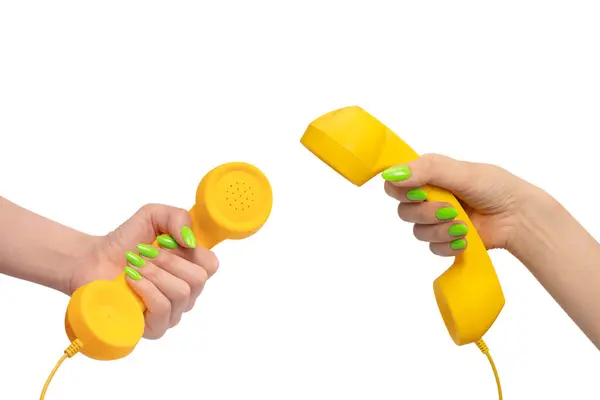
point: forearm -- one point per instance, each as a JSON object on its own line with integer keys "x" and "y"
{"x": 37, "y": 249}
{"x": 565, "y": 259}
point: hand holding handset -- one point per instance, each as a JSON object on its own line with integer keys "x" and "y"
{"x": 233, "y": 201}
{"x": 359, "y": 147}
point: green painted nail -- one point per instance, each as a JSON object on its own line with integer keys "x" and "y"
{"x": 396, "y": 173}
{"x": 167, "y": 241}
{"x": 457, "y": 230}
{"x": 458, "y": 244}
{"x": 134, "y": 259}
{"x": 416, "y": 194}
{"x": 132, "y": 273}
{"x": 188, "y": 237}
{"x": 445, "y": 213}
{"x": 147, "y": 251}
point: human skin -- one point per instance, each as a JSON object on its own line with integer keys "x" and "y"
{"x": 510, "y": 213}
{"x": 168, "y": 280}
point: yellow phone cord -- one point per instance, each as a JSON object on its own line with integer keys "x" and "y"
{"x": 70, "y": 351}
{"x": 484, "y": 349}
{"x": 76, "y": 346}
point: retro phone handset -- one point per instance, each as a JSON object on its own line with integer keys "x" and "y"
{"x": 105, "y": 319}
{"x": 359, "y": 147}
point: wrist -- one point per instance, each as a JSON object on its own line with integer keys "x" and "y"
{"x": 80, "y": 252}
{"x": 540, "y": 218}
{"x": 78, "y": 259}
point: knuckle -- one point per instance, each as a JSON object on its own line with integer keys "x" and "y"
{"x": 153, "y": 335}
{"x": 190, "y": 305}
{"x": 148, "y": 208}
{"x": 434, "y": 249}
{"x": 175, "y": 319}
{"x": 434, "y": 164}
{"x": 418, "y": 232}
{"x": 198, "y": 280}
{"x": 181, "y": 213}
{"x": 402, "y": 211}
{"x": 212, "y": 264}
{"x": 162, "y": 306}
{"x": 440, "y": 250}
{"x": 182, "y": 293}
{"x": 430, "y": 160}
{"x": 208, "y": 261}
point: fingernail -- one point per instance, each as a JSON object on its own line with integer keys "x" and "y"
{"x": 132, "y": 273}
{"x": 457, "y": 230}
{"x": 445, "y": 213}
{"x": 147, "y": 251}
{"x": 396, "y": 173}
{"x": 167, "y": 241}
{"x": 134, "y": 259}
{"x": 416, "y": 194}
{"x": 458, "y": 244}
{"x": 188, "y": 237}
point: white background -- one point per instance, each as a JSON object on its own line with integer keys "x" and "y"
{"x": 106, "y": 106}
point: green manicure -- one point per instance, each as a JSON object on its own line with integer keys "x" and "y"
{"x": 458, "y": 244}
{"x": 396, "y": 173}
{"x": 147, "y": 251}
{"x": 167, "y": 241}
{"x": 416, "y": 195}
{"x": 134, "y": 259}
{"x": 188, "y": 237}
{"x": 132, "y": 273}
{"x": 445, "y": 213}
{"x": 458, "y": 230}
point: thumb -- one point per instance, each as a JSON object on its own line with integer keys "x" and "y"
{"x": 153, "y": 220}
{"x": 435, "y": 170}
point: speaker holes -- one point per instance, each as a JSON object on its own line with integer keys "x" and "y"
{"x": 239, "y": 196}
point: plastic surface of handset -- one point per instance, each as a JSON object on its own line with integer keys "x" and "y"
{"x": 359, "y": 147}
{"x": 233, "y": 201}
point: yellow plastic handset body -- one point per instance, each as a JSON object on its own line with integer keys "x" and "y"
{"x": 233, "y": 201}
{"x": 358, "y": 146}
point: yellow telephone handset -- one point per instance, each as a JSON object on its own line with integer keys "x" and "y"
{"x": 359, "y": 147}
{"x": 233, "y": 201}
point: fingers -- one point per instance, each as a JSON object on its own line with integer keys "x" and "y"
{"x": 193, "y": 274}
{"x": 436, "y": 170}
{"x": 407, "y": 194}
{"x": 434, "y": 221}
{"x": 168, "y": 277}
{"x": 445, "y": 239}
{"x": 453, "y": 248}
{"x": 440, "y": 233}
{"x": 158, "y": 306}
{"x": 169, "y": 287}
{"x": 172, "y": 220}
{"x": 426, "y": 213}
{"x": 199, "y": 255}
{"x": 169, "y": 281}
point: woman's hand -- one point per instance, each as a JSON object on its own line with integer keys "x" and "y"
{"x": 495, "y": 200}
{"x": 168, "y": 278}
{"x": 509, "y": 213}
